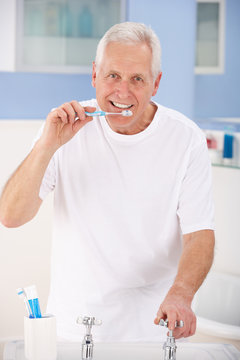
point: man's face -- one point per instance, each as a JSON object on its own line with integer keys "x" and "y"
{"x": 124, "y": 81}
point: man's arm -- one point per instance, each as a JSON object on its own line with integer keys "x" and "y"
{"x": 20, "y": 200}
{"x": 194, "y": 265}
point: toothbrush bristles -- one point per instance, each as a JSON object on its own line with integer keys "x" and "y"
{"x": 126, "y": 113}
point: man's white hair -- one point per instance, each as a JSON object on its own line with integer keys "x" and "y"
{"x": 132, "y": 33}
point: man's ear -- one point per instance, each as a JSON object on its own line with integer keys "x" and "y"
{"x": 94, "y": 74}
{"x": 156, "y": 83}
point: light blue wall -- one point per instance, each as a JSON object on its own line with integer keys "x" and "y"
{"x": 31, "y": 95}
{"x": 27, "y": 95}
{"x": 219, "y": 95}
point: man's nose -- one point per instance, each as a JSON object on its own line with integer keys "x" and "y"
{"x": 123, "y": 88}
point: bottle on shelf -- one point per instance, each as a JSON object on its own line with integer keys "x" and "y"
{"x": 228, "y": 141}
{"x": 85, "y": 23}
{"x": 214, "y": 152}
{"x": 230, "y": 152}
{"x": 66, "y": 21}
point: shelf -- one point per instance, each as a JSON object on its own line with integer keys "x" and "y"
{"x": 219, "y": 124}
{"x": 226, "y": 166}
{"x": 216, "y": 128}
{"x": 58, "y": 51}
{"x": 55, "y": 35}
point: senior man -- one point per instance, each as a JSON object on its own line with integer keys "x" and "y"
{"x": 133, "y": 213}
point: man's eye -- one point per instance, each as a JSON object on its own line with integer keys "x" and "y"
{"x": 138, "y": 78}
{"x": 113, "y": 76}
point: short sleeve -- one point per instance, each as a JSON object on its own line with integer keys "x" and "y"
{"x": 195, "y": 207}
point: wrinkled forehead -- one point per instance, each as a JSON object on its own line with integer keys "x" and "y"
{"x": 127, "y": 57}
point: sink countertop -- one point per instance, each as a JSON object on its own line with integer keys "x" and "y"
{"x": 132, "y": 351}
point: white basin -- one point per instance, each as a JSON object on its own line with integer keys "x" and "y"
{"x": 133, "y": 351}
{"x": 216, "y": 305}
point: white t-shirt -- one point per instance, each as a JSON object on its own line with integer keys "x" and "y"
{"x": 122, "y": 203}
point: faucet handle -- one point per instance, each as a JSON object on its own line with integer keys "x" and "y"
{"x": 88, "y": 320}
{"x": 179, "y": 324}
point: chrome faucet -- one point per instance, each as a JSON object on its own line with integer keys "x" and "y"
{"x": 170, "y": 346}
{"x": 87, "y": 343}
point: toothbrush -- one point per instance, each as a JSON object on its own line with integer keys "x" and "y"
{"x": 104, "y": 113}
{"x": 33, "y": 301}
{"x": 21, "y": 293}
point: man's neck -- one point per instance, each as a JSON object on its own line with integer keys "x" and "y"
{"x": 142, "y": 124}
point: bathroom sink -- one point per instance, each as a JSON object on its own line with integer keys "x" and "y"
{"x": 140, "y": 351}
{"x": 132, "y": 351}
{"x": 216, "y": 305}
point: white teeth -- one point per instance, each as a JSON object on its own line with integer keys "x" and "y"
{"x": 121, "y": 106}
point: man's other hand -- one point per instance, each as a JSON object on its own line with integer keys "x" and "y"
{"x": 176, "y": 307}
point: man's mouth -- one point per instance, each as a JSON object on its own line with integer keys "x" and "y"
{"x": 121, "y": 106}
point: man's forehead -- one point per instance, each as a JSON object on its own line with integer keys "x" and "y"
{"x": 124, "y": 58}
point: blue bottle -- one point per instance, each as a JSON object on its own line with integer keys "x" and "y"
{"x": 85, "y": 23}
{"x": 228, "y": 146}
{"x": 66, "y": 21}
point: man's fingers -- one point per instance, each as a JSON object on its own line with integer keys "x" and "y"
{"x": 75, "y": 111}
{"x": 79, "y": 111}
{"x": 59, "y": 114}
{"x": 172, "y": 318}
{"x": 188, "y": 329}
{"x": 90, "y": 109}
{"x": 178, "y": 333}
{"x": 69, "y": 109}
{"x": 193, "y": 326}
{"x": 169, "y": 314}
{"x": 81, "y": 122}
{"x": 160, "y": 315}
{"x": 72, "y": 112}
